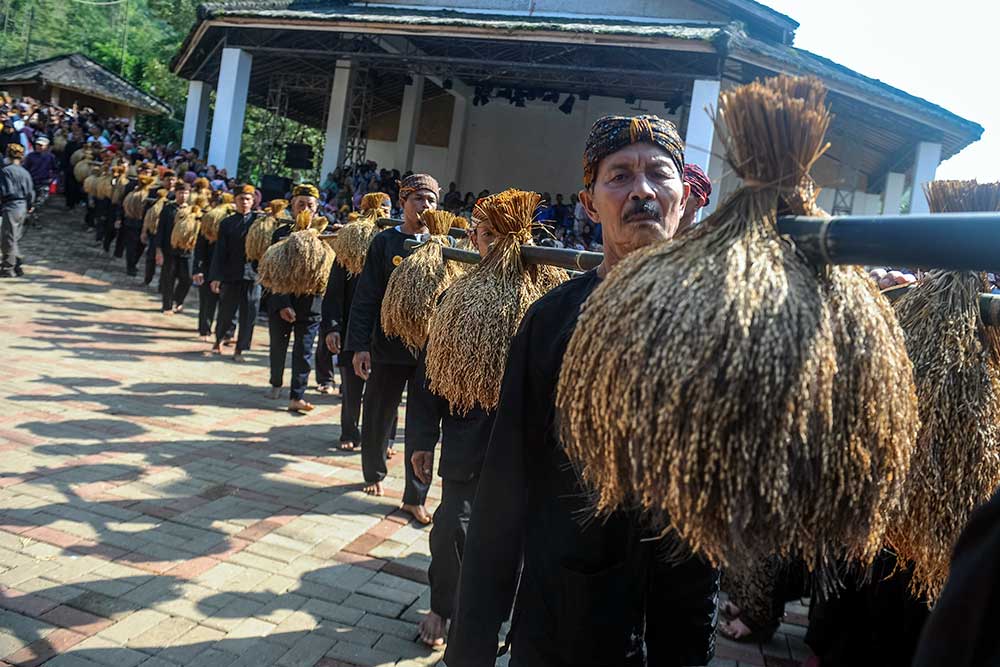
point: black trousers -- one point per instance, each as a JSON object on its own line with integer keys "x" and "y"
{"x": 451, "y": 524}
{"x": 129, "y": 233}
{"x": 150, "y": 264}
{"x": 208, "y": 302}
{"x": 104, "y": 218}
{"x": 302, "y": 352}
{"x": 353, "y": 389}
{"x": 119, "y": 238}
{"x": 324, "y": 362}
{"x": 383, "y": 393}
{"x": 242, "y": 296}
{"x": 175, "y": 279}
{"x": 90, "y": 218}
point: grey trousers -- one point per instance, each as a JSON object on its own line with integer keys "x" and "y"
{"x": 11, "y": 230}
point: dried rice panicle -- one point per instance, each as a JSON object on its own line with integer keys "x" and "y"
{"x": 104, "y": 185}
{"x": 701, "y": 383}
{"x": 306, "y": 219}
{"x": 470, "y": 331}
{"x": 82, "y": 169}
{"x": 414, "y": 287}
{"x": 353, "y": 239}
{"x": 298, "y": 264}
{"x": 186, "y": 226}
{"x": 133, "y": 202}
{"x": 262, "y": 230}
{"x": 212, "y": 220}
{"x": 118, "y": 182}
{"x": 151, "y": 220}
{"x": 956, "y": 361}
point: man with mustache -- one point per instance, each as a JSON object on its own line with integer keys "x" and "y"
{"x": 386, "y": 364}
{"x": 590, "y": 593}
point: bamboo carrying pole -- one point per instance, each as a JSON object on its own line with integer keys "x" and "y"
{"x": 455, "y": 232}
{"x": 953, "y": 241}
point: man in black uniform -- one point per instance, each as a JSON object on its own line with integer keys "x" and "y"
{"x": 17, "y": 197}
{"x": 208, "y": 301}
{"x": 597, "y": 592}
{"x": 387, "y": 365}
{"x": 298, "y": 314}
{"x": 130, "y": 228}
{"x": 234, "y": 278}
{"x": 175, "y": 263}
{"x": 463, "y": 446}
{"x": 167, "y": 181}
{"x": 336, "y": 309}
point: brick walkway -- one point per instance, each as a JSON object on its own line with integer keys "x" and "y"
{"x": 156, "y": 509}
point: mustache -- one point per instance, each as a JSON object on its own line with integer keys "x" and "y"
{"x": 643, "y": 210}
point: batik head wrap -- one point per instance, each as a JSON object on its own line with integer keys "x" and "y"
{"x": 305, "y": 190}
{"x": 612, "y": 133}
{"x": 415, "y": 182}
{"x": 701, "y": 185}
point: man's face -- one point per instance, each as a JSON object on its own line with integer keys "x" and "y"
{"x": 304, "y": 203}
{"x": 243, "y": 203}
{"x": 638, "y": 197}
{"x": 181, "y": 196}
{"x": 416, "y": 203}
{"x": 171, "y": 182}
{"x": 483, "y": 236}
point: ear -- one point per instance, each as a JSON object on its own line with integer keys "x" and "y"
{"x": 588, "y": 203}
{"x": 685, "y": 197}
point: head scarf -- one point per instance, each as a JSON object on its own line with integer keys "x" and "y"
{"x": 305, "y": 190}
{"x": 415, "y": 182}
{"x": 613, "y": 133}
{"x": 701, "y": 185}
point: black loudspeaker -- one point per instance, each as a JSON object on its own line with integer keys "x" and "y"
{"x": 274, "y": 187}
{"x": 298, "y": 156}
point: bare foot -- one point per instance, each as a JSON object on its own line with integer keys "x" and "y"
{"x": 389, "y": 453}
{"x": 274, "y": 392}
{"x": 228, "y": 342}
{"x": 325, "y": 389}
{"x": 348, "y": 447}
{"x": 216, "y": 349}
{"x": 419, "y": 513}
{"x": 736, "y": 630}
{"x": 238, "y": 358}
{"x": 178, "y": 309}
{"x": 729, "y": 609}
{"x": 374, "y": 489}
{"x": 168, "y": 312}
{"x": 433, "y": 630}
{"x": 206, "y": 338}
{"x": 300, "y": 405}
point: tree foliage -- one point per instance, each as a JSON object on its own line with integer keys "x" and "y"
{"x": 136, "y": 39}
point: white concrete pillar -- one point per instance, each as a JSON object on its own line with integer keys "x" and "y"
{"x": 700, "y": 128}
{"x": 54, "y": 95}
{"x": 700, "y": 132}
{"x": 196, "y": 116}
{"x": 336, "y": 119}
{"x": 924, "y": 168}
{"x": 892, "y": 195}
{"x": 230, "y": 110}
{"x": 456, "y": 140}
{"x": 409, "y": 121}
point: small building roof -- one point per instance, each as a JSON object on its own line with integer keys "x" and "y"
{"x": 74, "y": 71}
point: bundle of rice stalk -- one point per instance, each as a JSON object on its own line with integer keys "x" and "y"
{"x": 299, "y": 264}
{"x": 186, "y": 226}
{"x": 133, "y": 202}
{"x": 260, "y": 233}
{"x": 81, "y": 170}
{"x": 151, "y": 220}
{"x": 78, "y": 154}
{"x": 470, "y": 331}
{"x": 308, "y": 220}
{"x": 353, "y": 240}
{"x": 214, "y": 216}
{"x": 956, "y": 361}
{"x": 105, "y": 185}
{"x": 415, "y": 285}
{"x": 756, "y": 414}
{"x": 119, "y": 181}
{"x": 201, "y": 184}
{"x": 90, "y": 182}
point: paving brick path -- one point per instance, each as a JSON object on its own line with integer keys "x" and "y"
{"x": 157, "y": 509}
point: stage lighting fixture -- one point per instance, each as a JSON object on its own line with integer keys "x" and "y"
{"x": 567, "y": 106}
